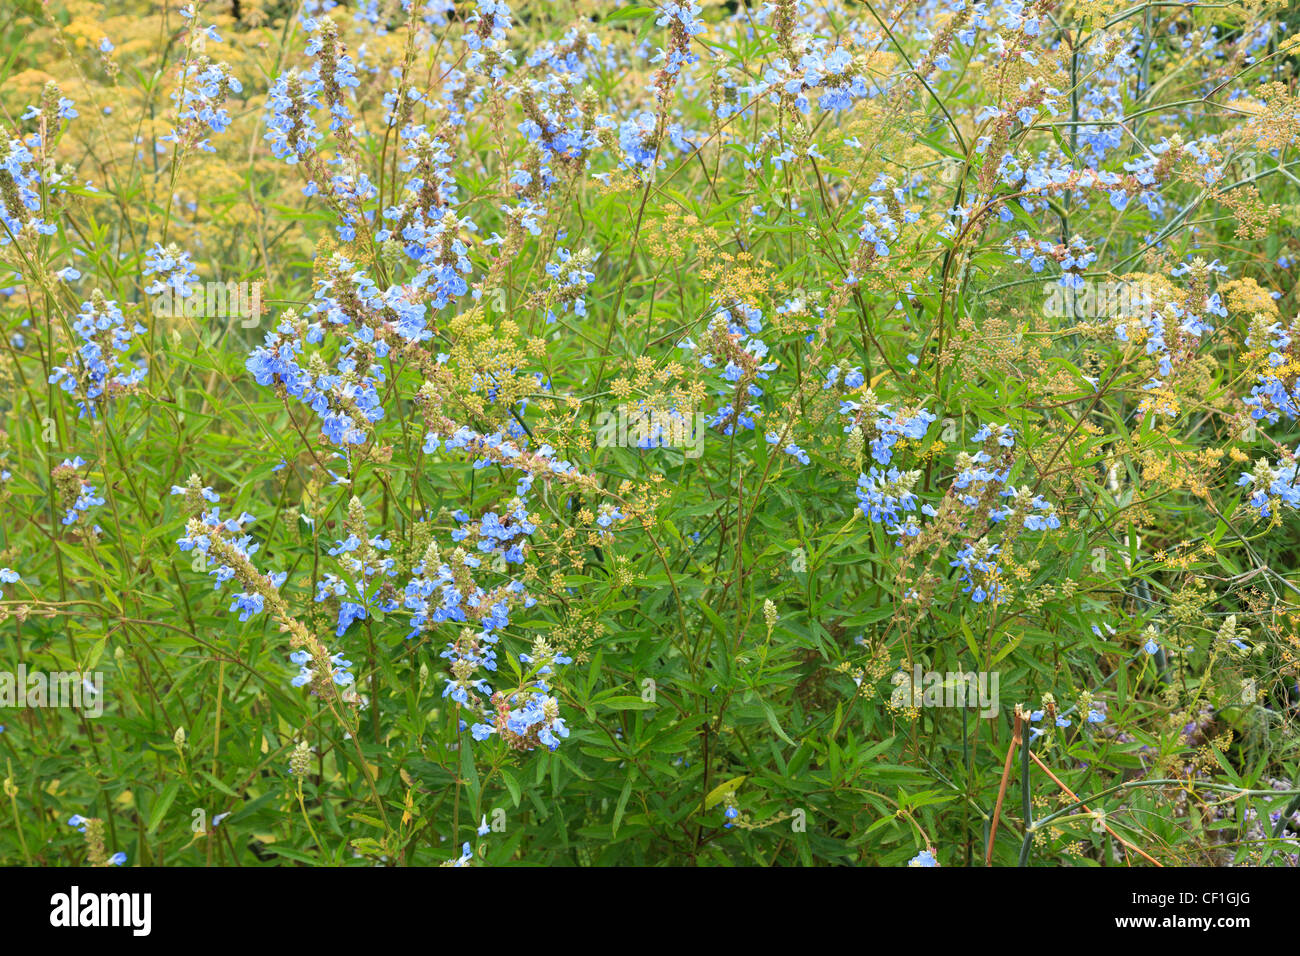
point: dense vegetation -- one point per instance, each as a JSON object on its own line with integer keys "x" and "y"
{"x": 605, "y": 433}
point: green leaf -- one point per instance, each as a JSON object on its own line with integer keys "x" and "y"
{"x": 622, "y": 800}
{"x": 511, "y": 783}
{"x": 723, "y": 790}
{"x": 162, "y": 805}
{"x": 771, "y": 719}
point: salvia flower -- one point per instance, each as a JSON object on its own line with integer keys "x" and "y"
{"x": 96, "y": 372}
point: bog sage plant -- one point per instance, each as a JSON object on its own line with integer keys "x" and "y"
{"x": 615, "y": 432}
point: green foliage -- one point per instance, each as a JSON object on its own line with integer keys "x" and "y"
{"x": 743, "y": 633}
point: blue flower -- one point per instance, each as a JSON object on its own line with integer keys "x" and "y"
{"x": 95, "y": 370}
{"x": 466, "y": 856}
{"x": 247, "y": 605}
